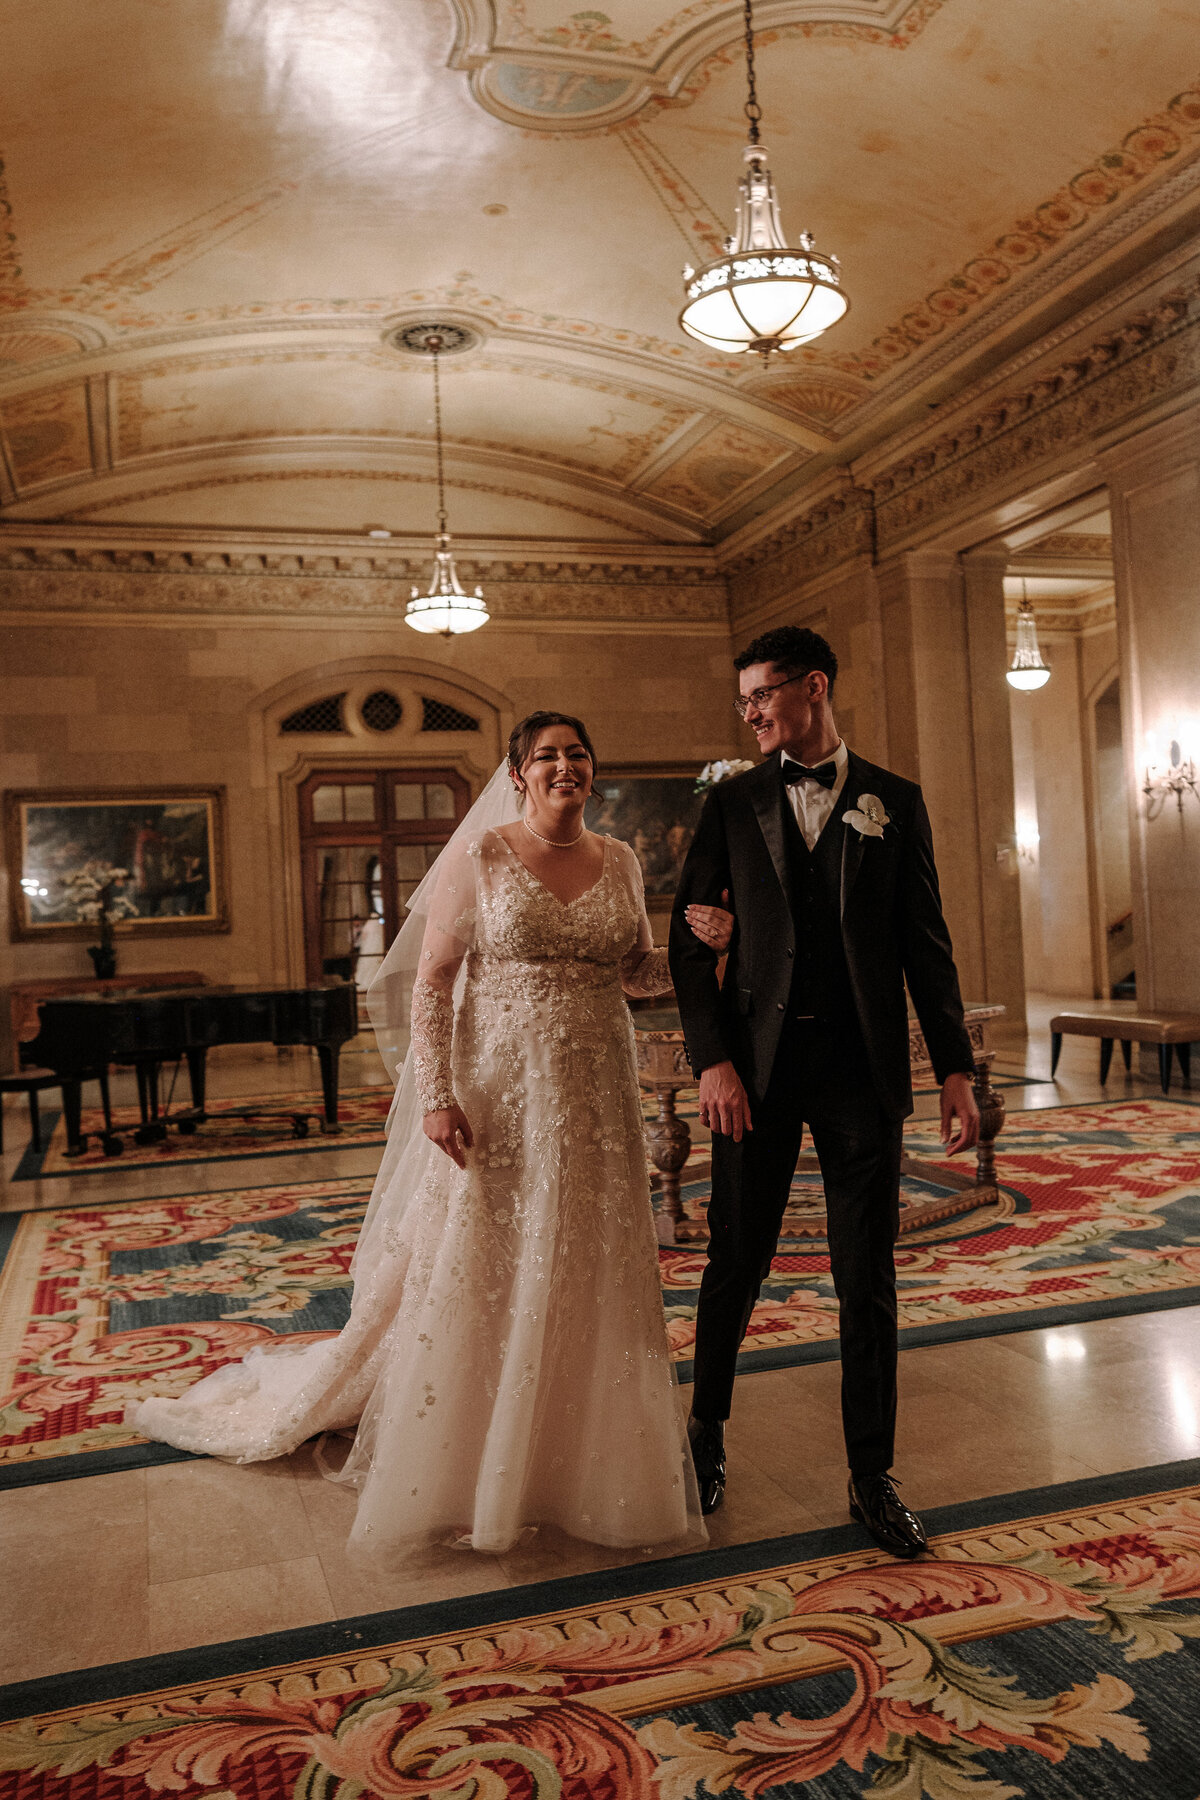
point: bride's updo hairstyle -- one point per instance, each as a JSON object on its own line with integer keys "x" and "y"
{"x": 524, "y": 736}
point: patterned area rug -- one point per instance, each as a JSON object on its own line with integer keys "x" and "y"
{"x": 276, "y": 1124}
{"x": 1048, "y": 1646}
{"x": 1100, "y": 1215}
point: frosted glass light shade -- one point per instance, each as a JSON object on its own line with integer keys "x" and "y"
{"x": 744, "y": 302}
{"x": 447, "y": 608}
{"x": 761, "y": 295}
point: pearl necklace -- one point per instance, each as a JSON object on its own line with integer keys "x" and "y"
{"x": 554, "y": 843}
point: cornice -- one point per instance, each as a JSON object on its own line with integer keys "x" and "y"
{"x": 48, "y": 579}
{"x": 1151, "y": 355}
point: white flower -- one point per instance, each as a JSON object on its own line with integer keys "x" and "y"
{"x": 869, "y": 818}
{"x": 712, "y": 772}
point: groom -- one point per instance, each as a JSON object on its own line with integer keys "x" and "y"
{"x": 829, "y": 864}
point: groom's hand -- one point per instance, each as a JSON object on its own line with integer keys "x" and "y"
{"x": 958, "y": 1103}
{"x": 724, "y": 1106}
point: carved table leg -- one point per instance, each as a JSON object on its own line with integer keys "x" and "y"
{"x": 670, "y": 1143}
{"x": 991, "y": 1121}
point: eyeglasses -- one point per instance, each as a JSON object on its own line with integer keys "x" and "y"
{"x": 758, "y": 698}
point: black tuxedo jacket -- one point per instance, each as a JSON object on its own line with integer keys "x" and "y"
{"x": 892, "y": 931}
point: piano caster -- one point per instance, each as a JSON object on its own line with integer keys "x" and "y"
{"x": 111, "y": 1144}
{"x": 79, "y": 1149}
{"x": 153, "y": 1133}
{"x": 299, "y": 1125}
{"x": 328, "y": 1130}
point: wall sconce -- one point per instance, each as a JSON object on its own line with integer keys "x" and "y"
{"x": 1171, "y": 774}
{"x": 1028, "y": 839}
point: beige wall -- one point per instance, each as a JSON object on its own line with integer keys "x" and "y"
{"x": 138, "y": 704}
{"x": 1154, "y": 487}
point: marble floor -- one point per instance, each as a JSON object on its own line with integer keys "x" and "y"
{"x": 159, "y": 1559}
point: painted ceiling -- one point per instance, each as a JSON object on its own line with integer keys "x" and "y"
{"x": 213, "y": 213}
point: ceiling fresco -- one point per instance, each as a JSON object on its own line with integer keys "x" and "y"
{"x": 212, "y": 213}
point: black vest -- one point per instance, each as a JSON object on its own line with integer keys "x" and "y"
{"x": 821, "y": 982}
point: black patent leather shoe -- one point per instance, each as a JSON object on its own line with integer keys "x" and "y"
{"x": 879, "y": 1509}
{"x": 706, "y": 1438}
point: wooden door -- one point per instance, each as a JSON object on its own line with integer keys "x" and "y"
{"x": 367, "y": 839}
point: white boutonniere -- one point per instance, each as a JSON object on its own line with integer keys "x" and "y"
{"x": 712, "y": 772}
{"x": 868, "y": 818}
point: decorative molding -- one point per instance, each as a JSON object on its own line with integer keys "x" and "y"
{"x": 1148, "y": 357}
{"x": 832, "y": 533}
{"x": 1142, "y": 153}
{"x": 54, "y": 579}
{"x": 580, "y": 75}
{"x": 11, "y": 278}
{"x": 1075, "y": 546}
{"x": 1059, "y": 618}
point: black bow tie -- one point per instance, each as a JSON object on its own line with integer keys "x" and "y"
{"x": 825, "y": 774}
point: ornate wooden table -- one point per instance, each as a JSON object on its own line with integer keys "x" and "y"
{"x": 663, "y": 1070}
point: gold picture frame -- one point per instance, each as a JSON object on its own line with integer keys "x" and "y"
{"x": 156, "y": 853}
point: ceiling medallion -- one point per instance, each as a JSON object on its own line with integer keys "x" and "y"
{"x": 446, "y": 607}
{"x": 761, "y": 295}
{"x": 414, "y": 338}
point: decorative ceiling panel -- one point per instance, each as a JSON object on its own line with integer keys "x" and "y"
{"x": 532, "y": 63}
{"x": 212, "y": 213}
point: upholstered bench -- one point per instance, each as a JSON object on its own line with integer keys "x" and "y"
{"x": 1164, "y": 1029}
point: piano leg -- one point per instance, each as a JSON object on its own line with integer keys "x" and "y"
{"x": 72, "y": 1093}
{"x": 197, "y": 1077}
{"x": 152, "y": 1130}
{"x": 111, "y": 1143}
{"x": 328, "y": 1053}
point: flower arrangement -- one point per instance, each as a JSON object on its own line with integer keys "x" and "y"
{"x": 95, "y": 892}
{"x": 721, "y": 770}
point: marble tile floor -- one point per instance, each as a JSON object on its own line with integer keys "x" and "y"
{"x": 131, "y": 1564}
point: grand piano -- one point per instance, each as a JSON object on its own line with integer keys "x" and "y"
{"x": 84, "y": 1032}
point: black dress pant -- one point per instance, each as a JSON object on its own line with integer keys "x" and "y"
{"x": 820, "y": 1078}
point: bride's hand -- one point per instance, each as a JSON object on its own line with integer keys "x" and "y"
{"x": 445, "y": 1128}
{"x": 713, "y": 925}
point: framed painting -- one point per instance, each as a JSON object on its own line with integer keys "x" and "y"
{"x": 654, "y": 810}
{"x": 153, "y": 859}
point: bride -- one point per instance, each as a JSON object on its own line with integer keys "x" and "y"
{"x": 505, "y": 1361}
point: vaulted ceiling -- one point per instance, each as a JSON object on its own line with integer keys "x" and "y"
{"x": 215, "y": 213}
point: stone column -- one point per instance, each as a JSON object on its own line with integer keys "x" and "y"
{"x": 942, "y": 631}
{"x": 995, "y": 806}
{"x": 1154, "y": 492}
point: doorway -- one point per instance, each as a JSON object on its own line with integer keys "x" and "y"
{"x": 368, "y": 837}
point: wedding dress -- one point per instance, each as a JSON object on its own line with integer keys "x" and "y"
{"x": 506, "y": 1360}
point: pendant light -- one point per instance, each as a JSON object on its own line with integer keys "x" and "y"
{"x": 447, "y": 607}
{"x": 761, "y": 295}
{"x": 1028, "y": 671}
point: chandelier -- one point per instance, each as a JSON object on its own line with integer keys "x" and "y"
{"x": 1028, "y": 671}
{"x": 447, "y": 607}
{"x": 761, "y": 295}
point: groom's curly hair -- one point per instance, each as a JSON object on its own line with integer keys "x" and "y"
{"x": 524, "y": 736}
{"x": 793, "y": 649}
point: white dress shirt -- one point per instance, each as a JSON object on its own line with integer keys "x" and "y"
{"x": 813, "y": 804}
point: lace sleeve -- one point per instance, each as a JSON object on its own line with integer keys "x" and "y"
{"x": 432, "y": 1041}
{"x": 644, "y": 970}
